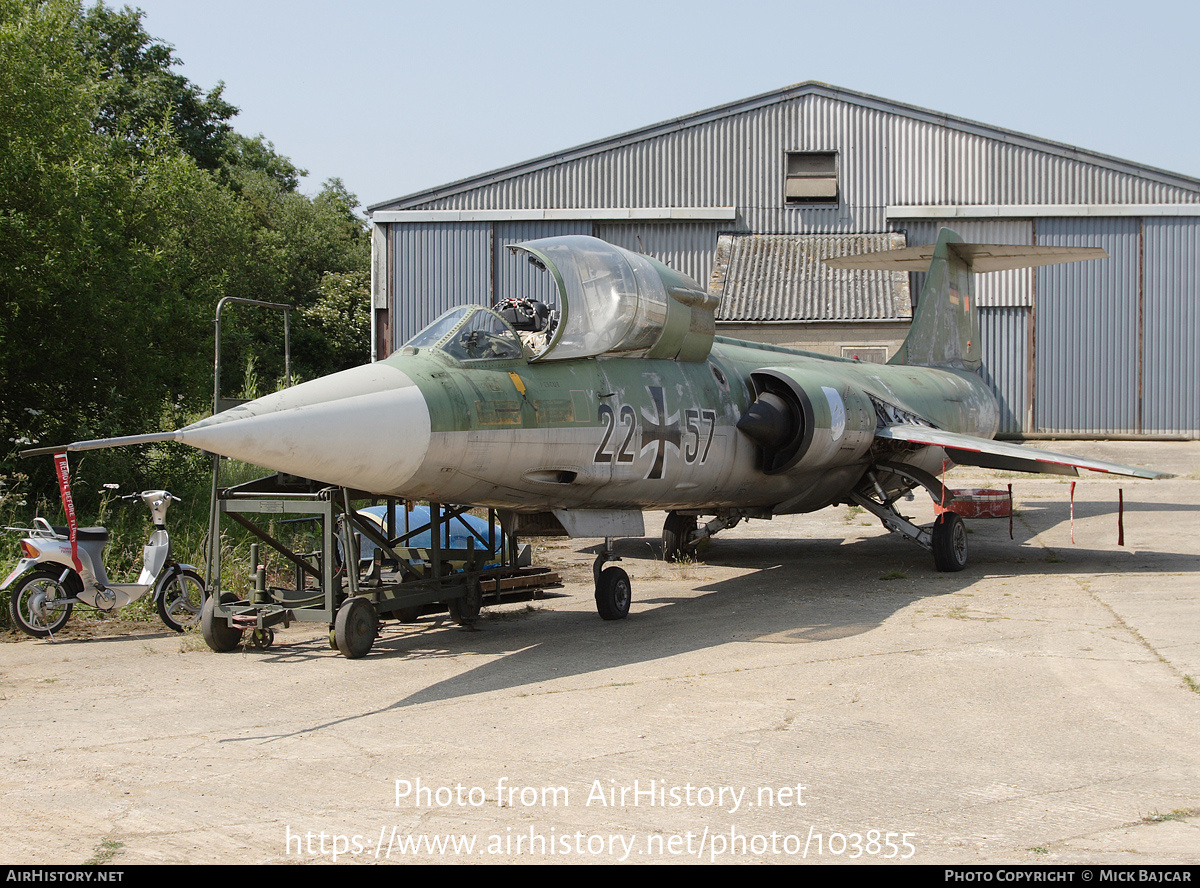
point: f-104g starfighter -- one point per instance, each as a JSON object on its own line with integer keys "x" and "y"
{"x": 616, "y": 397}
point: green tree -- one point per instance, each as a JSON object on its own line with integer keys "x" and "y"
{"x": 139, "y": 92}
{"x": 128, "y": 208}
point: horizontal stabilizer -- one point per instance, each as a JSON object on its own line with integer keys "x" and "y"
{"x": 978, "y": 257}
{"x": 968, "y": 450}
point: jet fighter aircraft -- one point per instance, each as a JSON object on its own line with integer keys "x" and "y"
{"x": 618, "y": 397}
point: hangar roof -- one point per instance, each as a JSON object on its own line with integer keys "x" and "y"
{"x": 788, "y": 94}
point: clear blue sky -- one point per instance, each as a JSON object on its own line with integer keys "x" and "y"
{"x": 395, "y": 97}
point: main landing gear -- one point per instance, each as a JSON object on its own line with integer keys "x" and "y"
{"x": 682, "y": 534}
{"x": 946, "y": 538}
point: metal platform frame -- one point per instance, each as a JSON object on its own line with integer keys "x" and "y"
{"x": 401, "y": 581}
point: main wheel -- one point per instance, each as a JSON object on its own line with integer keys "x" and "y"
{"x": 38, "y": 606}
{"x": 217, "y": 632}
{"x": 613, "y": 594}
{"x": 465, "y": 610}
{"x": 949, "y": 542}
{"x": 355, "y": 628}
{"x": 677, "y": 531}
{"x": 181, "y": 600}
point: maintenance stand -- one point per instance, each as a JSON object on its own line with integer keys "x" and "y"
{"x": 330, "y": 584}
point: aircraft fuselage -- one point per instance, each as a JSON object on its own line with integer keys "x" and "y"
{"x": 616, "y": 433}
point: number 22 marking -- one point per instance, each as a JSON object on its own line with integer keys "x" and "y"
{"x": 609, "y": 418}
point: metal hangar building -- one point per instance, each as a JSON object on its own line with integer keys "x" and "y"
{"x": 749, "y": 196}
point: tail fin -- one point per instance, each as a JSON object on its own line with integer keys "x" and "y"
{"x": 945, "y": 326}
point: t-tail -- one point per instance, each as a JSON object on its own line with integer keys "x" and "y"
{"x": 945, "y": 325}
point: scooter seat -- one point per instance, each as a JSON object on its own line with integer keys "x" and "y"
{"x": 91, "y": 534}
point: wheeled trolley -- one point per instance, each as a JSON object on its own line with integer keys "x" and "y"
{"x": 353, "y": 569}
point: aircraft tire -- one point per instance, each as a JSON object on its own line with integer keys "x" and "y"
{"x": 949, "y": 542}
{"x": 677, "y": 530}
{"x": 218, "y": 634}
{"x": 355, "y": 628}
{"x": 613, "y": 594}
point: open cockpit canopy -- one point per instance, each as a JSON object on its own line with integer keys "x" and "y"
{"x": 613, "y": 301}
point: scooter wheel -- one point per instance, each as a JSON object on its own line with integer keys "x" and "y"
{"x": 37, "y": 605}
{"x": 181, "y": 599}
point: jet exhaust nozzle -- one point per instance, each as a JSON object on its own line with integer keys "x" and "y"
{"x": 770, "y": 423}
{"x": 806, "y": 421}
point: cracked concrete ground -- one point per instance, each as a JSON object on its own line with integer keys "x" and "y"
{"x": 811, "y": 686}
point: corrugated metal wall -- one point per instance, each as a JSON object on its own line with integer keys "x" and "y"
{"x": 780, "y": 277}
{"x": 1171, "y": 326}
{"x": 1004, "y": 335}
{"x": 437, "y": 266}
{"x": 1086, "y": 330}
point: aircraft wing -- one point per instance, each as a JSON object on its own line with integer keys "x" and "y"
{"x": 969, "y": 450}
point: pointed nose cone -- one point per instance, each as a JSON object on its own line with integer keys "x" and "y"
{"x": 366, "y": 428}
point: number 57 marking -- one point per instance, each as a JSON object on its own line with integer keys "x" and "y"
{"x": 694, "y": 419}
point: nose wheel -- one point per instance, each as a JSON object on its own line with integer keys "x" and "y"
{"x": 614, "y": 593}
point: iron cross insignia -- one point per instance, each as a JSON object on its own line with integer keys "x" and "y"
{"x": 659, "y": 430}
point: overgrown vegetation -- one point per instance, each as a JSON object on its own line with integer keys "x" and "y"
{"x": 129, "y": 206}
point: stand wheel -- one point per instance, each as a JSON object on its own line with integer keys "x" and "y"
{"x": 613, "y": 594}
{"x": 465, "y": 610}
{"x": 217, "y": 632}
{"x": 262, "y": 638}
{"x": 949, "y": 542}
{"x": 355, "y": 628}
{"x": 407, "y": 614}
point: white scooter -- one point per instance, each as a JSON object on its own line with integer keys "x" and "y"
{"x": 50, "y": 584}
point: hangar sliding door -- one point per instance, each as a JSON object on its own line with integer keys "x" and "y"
{"x": 435, "y": 267}
{"x": 1171, "y": 326}
{"x": 1086, "y": 330}
{"x": 515, "y": 276}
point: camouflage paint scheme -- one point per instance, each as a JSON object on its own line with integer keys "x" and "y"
{"x": 630, "y": 402}
{"x": 621, "y": 433}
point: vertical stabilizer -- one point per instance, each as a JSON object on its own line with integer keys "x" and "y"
{"x": 945, "y": 325}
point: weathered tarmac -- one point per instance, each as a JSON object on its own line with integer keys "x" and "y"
{"x": 812, "y": 690}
